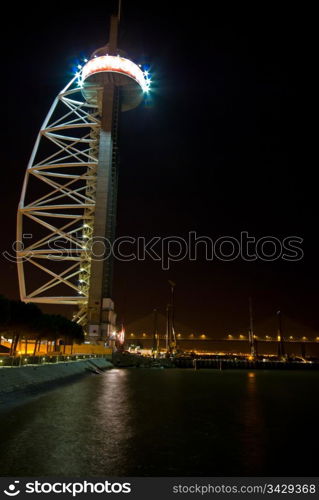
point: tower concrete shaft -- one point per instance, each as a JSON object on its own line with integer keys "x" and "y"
{"x": 101, "y": 315}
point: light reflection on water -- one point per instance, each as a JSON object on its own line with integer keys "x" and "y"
{"x": 166, "y": 422}
{"x": 254, "y": 431}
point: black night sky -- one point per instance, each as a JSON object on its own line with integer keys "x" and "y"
{"x": 220, "y": 150}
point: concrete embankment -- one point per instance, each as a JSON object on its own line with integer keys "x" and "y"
{"x": 33, "y": 377}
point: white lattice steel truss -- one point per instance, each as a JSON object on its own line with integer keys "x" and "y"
{"x": 56, "y": 211}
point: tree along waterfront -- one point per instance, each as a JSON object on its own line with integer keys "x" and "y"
{"x": 20, "y": 321}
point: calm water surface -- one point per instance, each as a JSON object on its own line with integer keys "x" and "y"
{"x": 167, "y": 422}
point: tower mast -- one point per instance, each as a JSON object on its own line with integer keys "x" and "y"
{"x": 101, "y": 314}
{"x": 280, "y": 338}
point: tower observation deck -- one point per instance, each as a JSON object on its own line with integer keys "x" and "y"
{"x": 67, "y": 211}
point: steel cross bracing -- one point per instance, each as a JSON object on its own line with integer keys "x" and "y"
{"x": 56, "y": 210}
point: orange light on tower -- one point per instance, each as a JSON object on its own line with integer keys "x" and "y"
{"x": 115, "y": 64}
{"x": 121, "y": 336}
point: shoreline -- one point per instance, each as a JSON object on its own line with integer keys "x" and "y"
{"x": 20, "y": 383}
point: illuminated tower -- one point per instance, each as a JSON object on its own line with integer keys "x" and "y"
{"x": 67, "y": 211}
